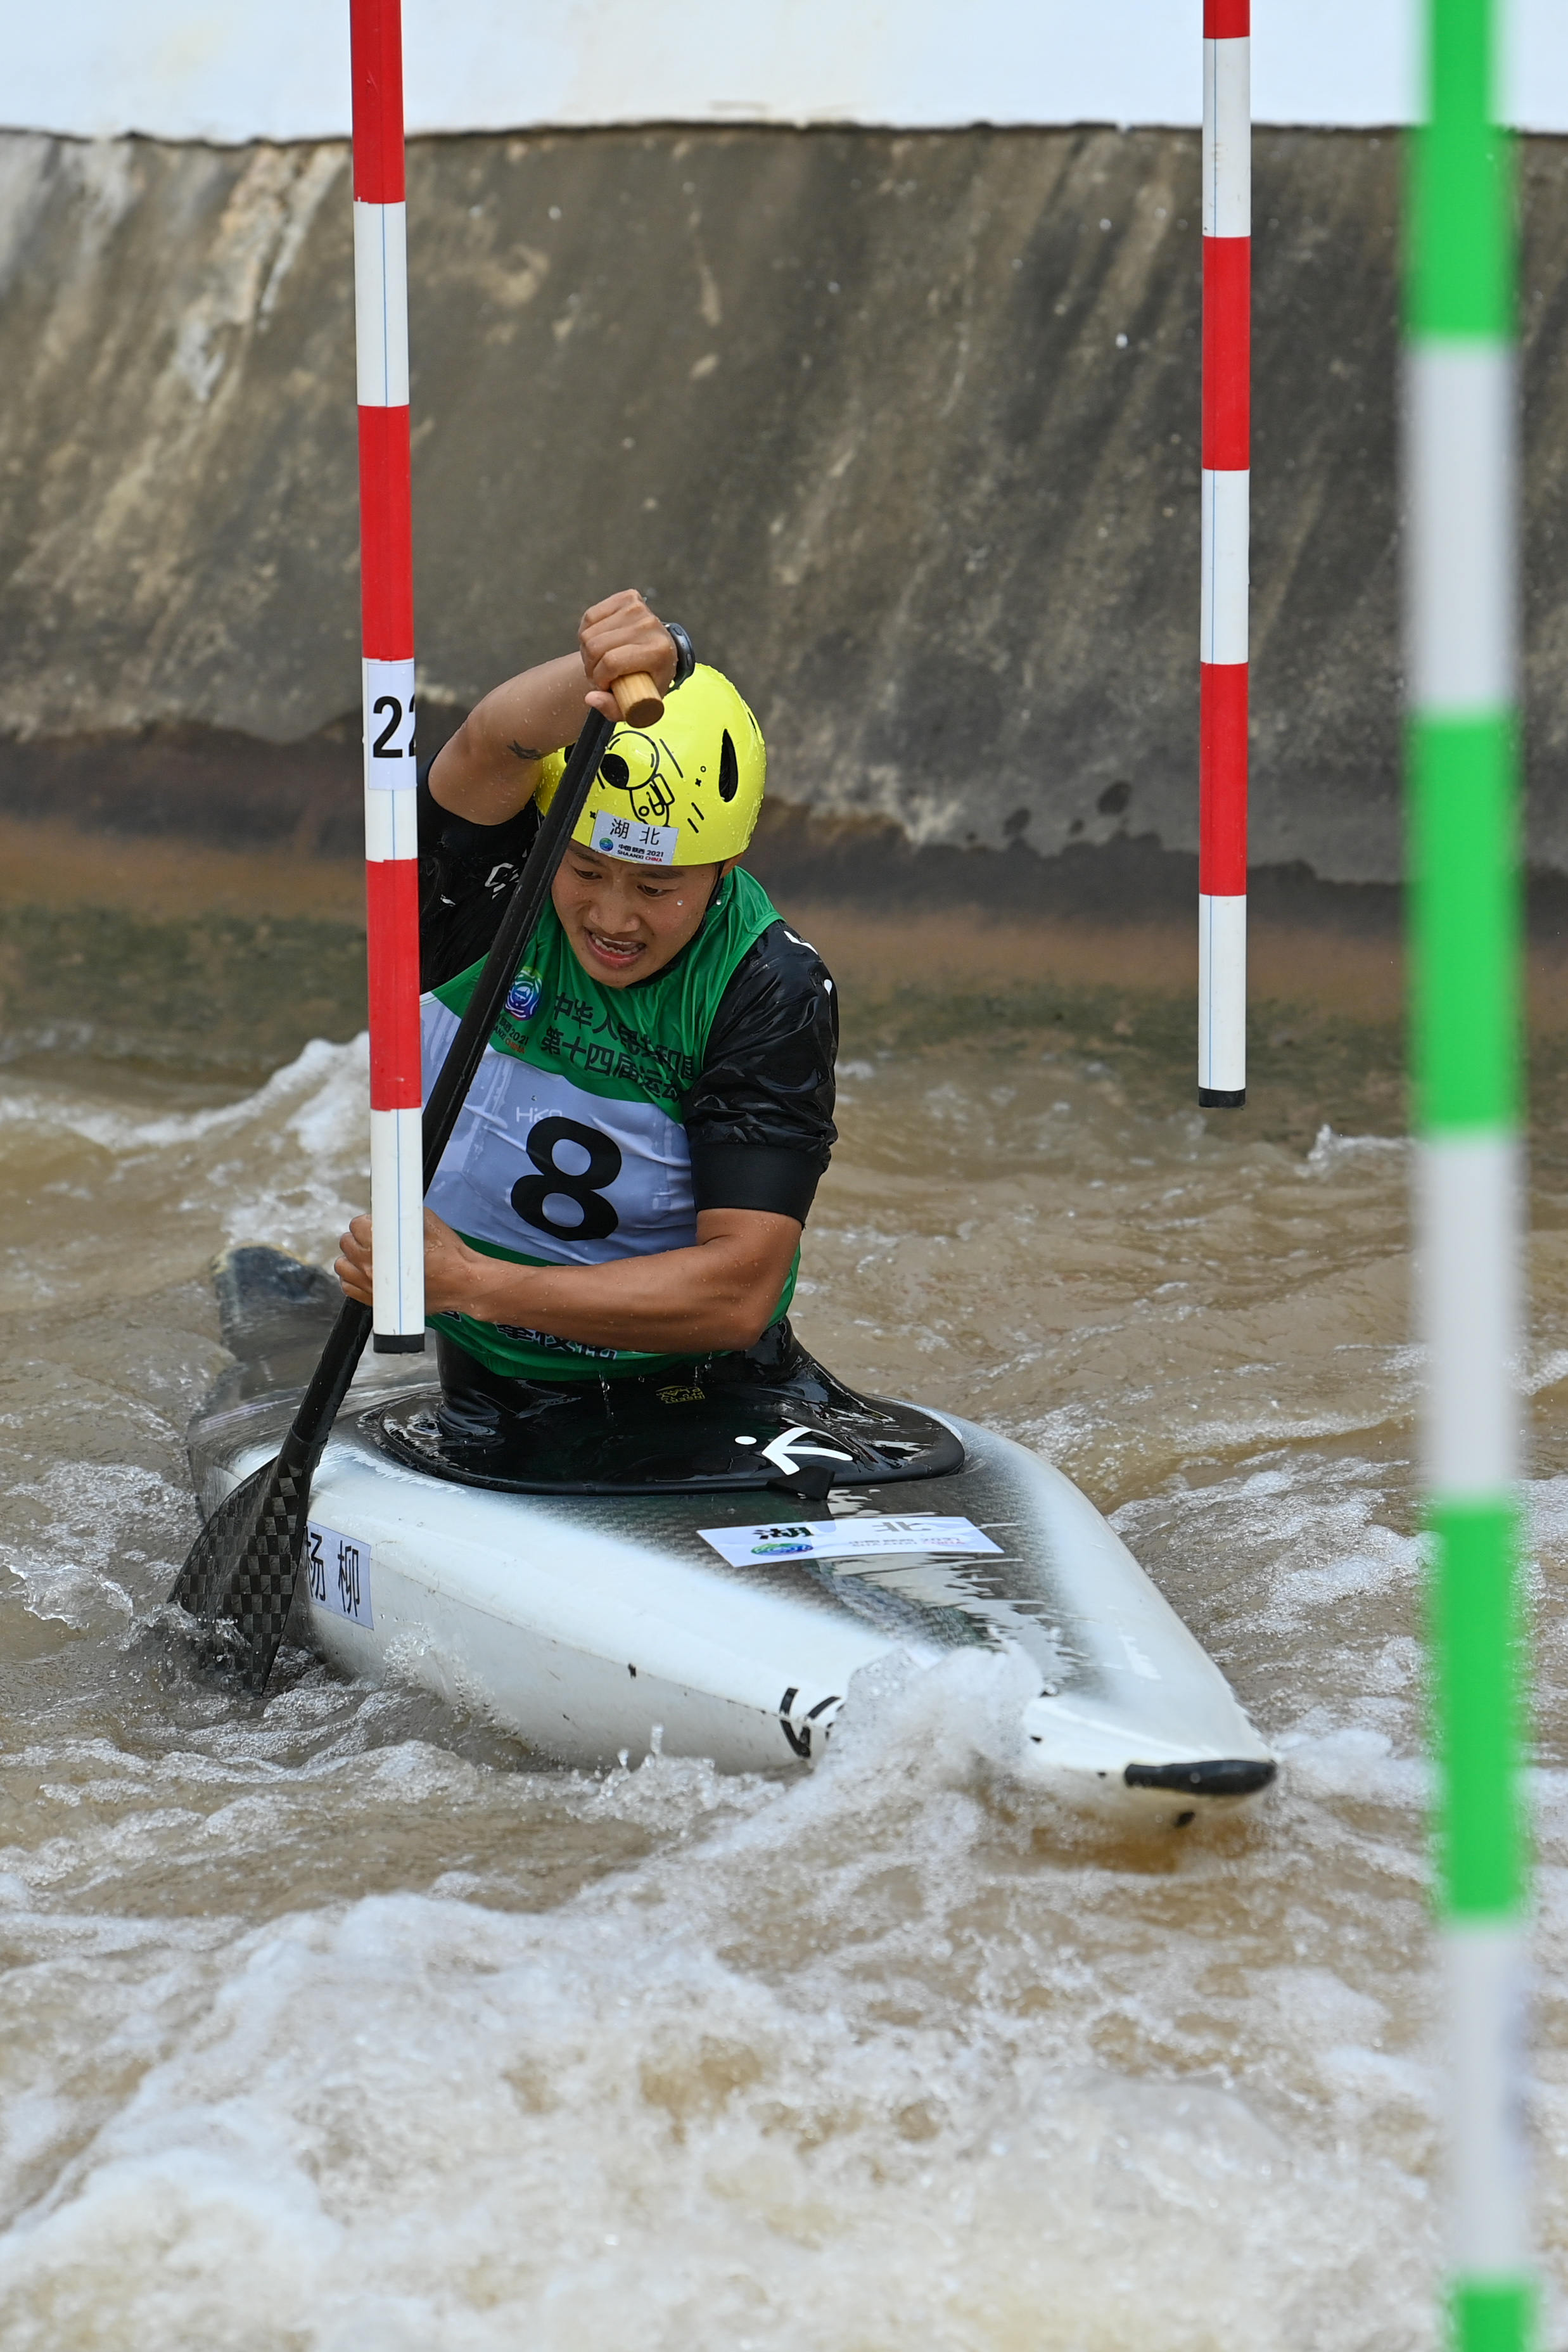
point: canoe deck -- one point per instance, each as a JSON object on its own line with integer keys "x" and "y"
{"x": 596, "y": 1625}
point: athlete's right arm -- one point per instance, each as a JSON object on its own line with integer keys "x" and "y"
{"x": 488, "y": 769}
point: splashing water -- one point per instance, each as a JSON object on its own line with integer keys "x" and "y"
{"x": 348, "y": 2026}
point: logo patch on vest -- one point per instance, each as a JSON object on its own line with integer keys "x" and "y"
{"x": 523, "y": 996}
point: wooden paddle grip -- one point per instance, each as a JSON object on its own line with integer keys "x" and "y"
{"x": 638, "y": 699}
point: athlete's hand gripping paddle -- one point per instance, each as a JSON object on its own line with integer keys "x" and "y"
{"x": 244, "y": 1566}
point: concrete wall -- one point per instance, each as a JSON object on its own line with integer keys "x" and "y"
{"x": 903, "y": 426}
{"x": 227, "y": 70}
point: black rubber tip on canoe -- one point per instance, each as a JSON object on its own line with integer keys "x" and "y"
{"x": 1222, "y": 1097}
{"x": 1220, "y": 1776}
{"x": 398, "y": 1343}
{"x": 811, "y": 1481}
{"x": 270, "y": 1302}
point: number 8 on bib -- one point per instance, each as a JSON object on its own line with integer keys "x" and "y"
{"x": 531, "y": 1195}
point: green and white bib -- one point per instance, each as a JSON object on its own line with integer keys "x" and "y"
{"x": 571, "y": 1150}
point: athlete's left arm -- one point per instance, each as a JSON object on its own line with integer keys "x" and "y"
{"x": 706, "y": 1300}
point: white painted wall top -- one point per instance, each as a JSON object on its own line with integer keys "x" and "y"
{"x": 233, "y": 70}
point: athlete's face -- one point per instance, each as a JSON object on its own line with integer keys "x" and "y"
{"x": 625, "y": 921}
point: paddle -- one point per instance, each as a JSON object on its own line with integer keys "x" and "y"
{"x": 244, "y": 1566}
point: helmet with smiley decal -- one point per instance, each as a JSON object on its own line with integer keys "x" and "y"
{"x": 685, "y": 791}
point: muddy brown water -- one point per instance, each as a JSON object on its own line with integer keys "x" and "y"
{"x": 352, "y": 2026}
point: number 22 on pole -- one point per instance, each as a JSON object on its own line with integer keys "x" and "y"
{"x": 386, "y": 582}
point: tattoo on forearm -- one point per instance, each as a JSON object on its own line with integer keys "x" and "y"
{"x": 524, "y": 751}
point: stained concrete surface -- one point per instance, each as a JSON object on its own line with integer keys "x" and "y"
{"x": 854, "y": 405}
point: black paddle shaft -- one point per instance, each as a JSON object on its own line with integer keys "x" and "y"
{"x": 244, "y": 1566}
{"x": 518, "y": 924}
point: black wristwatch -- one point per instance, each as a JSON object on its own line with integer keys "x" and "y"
{"x": 685, "y": 654}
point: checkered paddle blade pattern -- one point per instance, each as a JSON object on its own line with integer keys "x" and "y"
{"x": 217, "y": 1550}
{"x": 260, "y": 1593}
{"x": 244, "y": 1566}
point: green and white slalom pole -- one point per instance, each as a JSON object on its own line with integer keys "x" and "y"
{"x": 1463, "y": 771}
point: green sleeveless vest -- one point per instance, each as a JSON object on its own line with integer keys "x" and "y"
{"x": 569, "y": 1149}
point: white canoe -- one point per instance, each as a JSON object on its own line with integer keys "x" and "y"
{"x": 729, "y": 1624}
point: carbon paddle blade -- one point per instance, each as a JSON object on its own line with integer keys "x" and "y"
{"x": 260, "y": 1592}
{"x": 240, "y": 1577}
{"x": 218, "y": 1550}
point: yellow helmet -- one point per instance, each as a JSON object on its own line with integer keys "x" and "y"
{"x": 685, "y": 791}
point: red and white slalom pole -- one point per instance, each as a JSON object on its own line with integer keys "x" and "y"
{"x": 386, "y": 594}
{"x": 1226, "y": 464}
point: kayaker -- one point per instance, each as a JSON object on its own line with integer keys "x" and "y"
{"x": 627, "y": 1186}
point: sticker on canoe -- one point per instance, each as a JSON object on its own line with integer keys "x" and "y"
{"x": 339, "y": 1568}
{"x": 866, "y": 1538}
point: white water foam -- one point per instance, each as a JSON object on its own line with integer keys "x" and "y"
{"x": 779, "y": 2080}
{"x": 349, "y": 2025}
